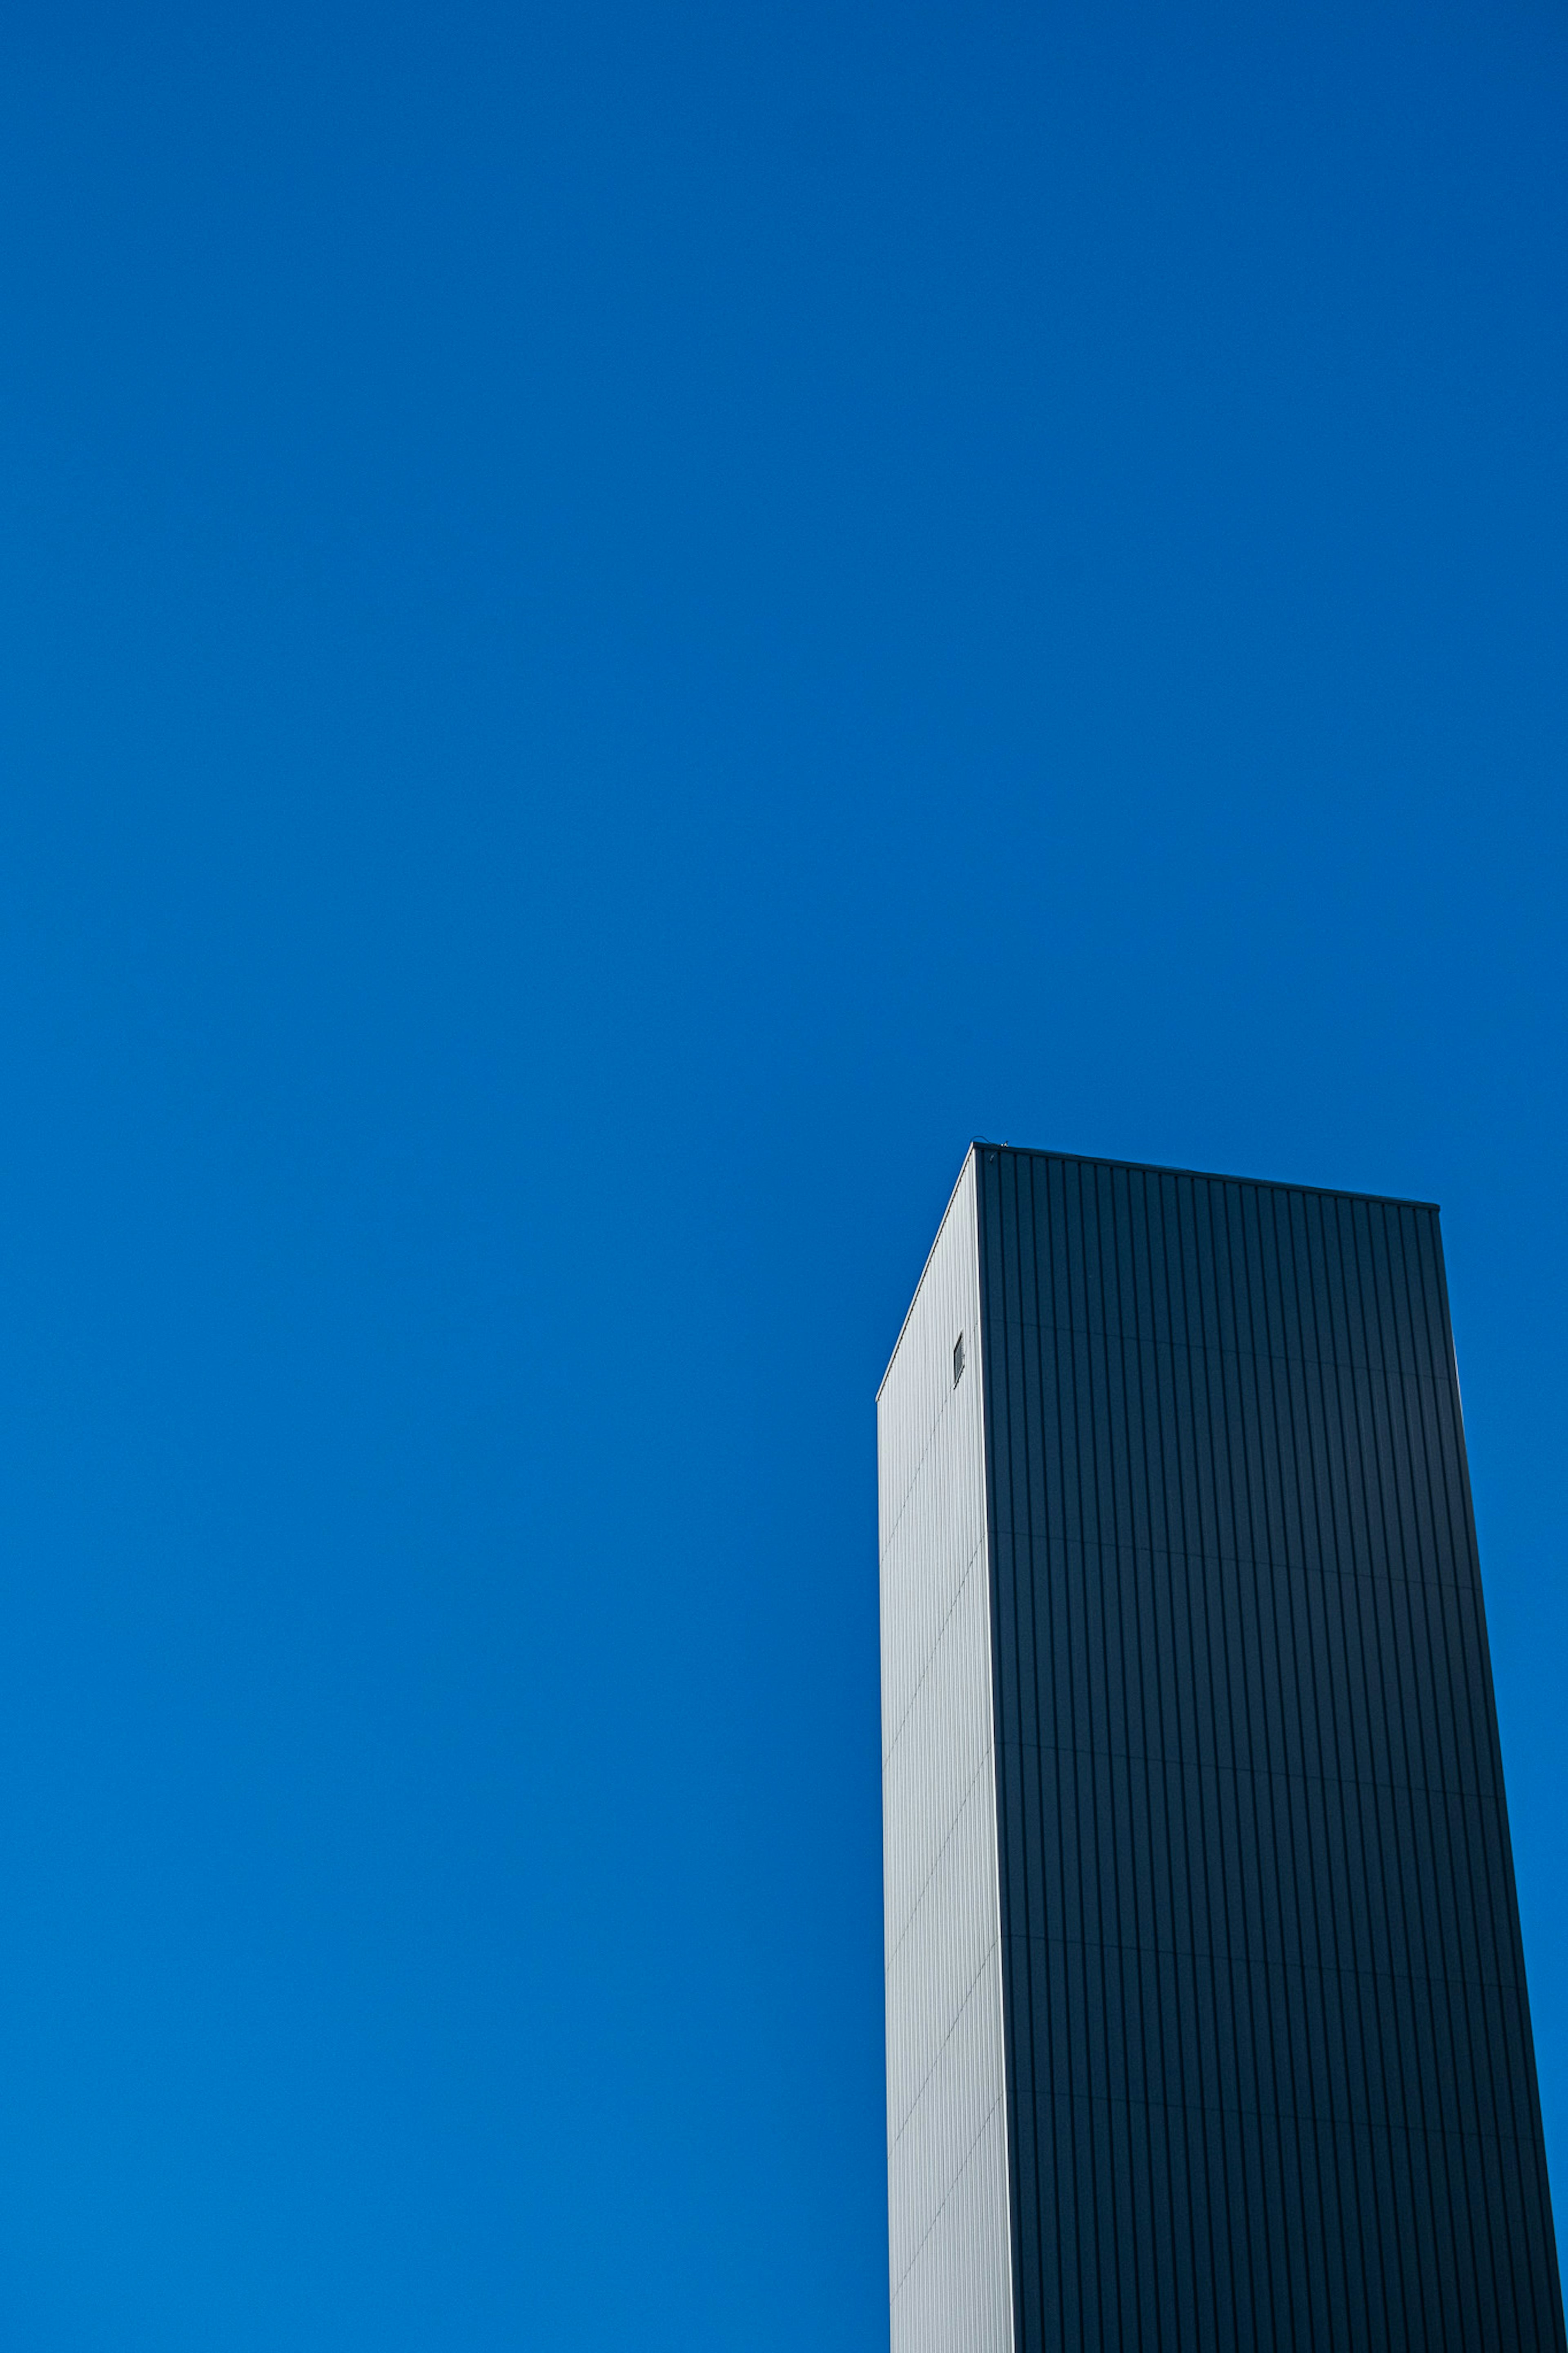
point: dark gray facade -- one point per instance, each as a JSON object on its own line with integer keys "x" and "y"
{"x": 1264, "y": 2041}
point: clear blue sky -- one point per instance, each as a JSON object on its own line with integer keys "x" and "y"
{"x": 621, "y": 626}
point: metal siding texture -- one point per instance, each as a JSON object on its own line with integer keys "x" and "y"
{"x": 950, "y": 2276}
{"x": 1270, "y": 2080}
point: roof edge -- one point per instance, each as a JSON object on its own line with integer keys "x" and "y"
{"x": 1207, "y": 1176}
{"x": 925, "y": 1269}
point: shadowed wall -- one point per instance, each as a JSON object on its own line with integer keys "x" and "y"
{"x": 1270, "y": 2079}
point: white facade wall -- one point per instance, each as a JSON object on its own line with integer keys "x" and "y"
{"x": 947, "y": 2141}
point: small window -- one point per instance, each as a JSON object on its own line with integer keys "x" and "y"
{"x": 958, "y": 1360}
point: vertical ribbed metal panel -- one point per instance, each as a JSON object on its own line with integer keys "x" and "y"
{"x": 1270, "y": 2080}
{"x": 951, "y": 2269}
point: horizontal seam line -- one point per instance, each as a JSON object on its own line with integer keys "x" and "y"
{"x": 1256, "y": 1961}
{"x": 1018, "y": 1535}
{"x": 1290, "y": 2116}
{"x": 1438, "y": 1380}
{"x": 1289, "y": 1773}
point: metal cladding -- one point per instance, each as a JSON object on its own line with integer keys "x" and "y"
{"x": 1267, "y": 2076}
{"x": 950, "y": 2271}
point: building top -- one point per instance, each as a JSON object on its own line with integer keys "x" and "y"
{"x": 1150, "y": 1168}
{"x": 1204, "y": 1176}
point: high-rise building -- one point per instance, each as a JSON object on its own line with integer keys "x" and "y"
{"x": 1207, "y": 2027}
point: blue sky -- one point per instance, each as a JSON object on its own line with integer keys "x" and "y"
{"x": 620, "y": 626}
